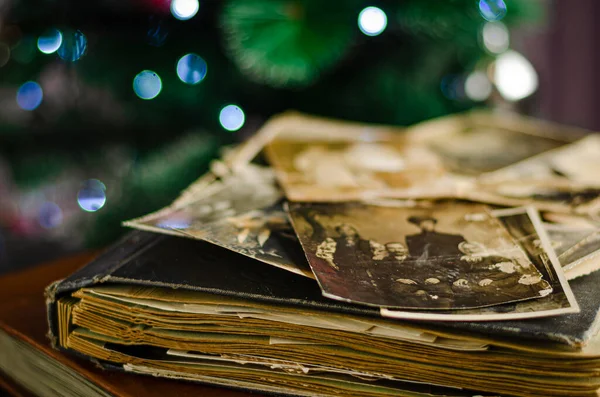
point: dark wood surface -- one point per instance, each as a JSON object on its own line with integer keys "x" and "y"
{"x": 23, "y": 315}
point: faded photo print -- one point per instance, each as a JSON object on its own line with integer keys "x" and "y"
{"x": 415, "y": 258}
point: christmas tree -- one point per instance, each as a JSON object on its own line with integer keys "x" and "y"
{"x": 110, "y": 109}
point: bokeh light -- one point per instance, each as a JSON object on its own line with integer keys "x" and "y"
{"x": 50, "y": 215}
{"x": 4, "y": 54}
{"x": 232, "y": 117}
{"x": 157, "y": 32}
{"x": 514, "y": 76}
{"x": 372, "y": 21}
{"x": 94, "y": 184}
{"x": 73, "y": 47}
{"x": 50, "y": 41}
{"x": 92, "y": 196}
{"x": 452, "y": 87}
{"x": 174, "y": 223}
{"x": 191, "y": 69}
{"x": 147, "y": 84}
{"x": 492, "y": 10}
{"x": 496, "y": 37}
{"x": 478, "y": 87}
{"x": 184, "y": 9}
{"x": 29, "y": 96}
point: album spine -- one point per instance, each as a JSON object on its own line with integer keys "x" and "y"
{"x": 95, "y": 272}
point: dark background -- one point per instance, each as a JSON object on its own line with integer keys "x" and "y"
{"x": 91, "y": 125}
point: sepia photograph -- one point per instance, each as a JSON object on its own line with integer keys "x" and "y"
{"x": 355, "y": 170}
{"x": 556, "y": 196}
{"x": 576, "y": 164}
{"x": 574, "y": 245}
{"x": 561, "y": 180}
{"x": 459, "y": 140}
{"x": 431, "y": 257}
{"x": 524, "y": 225}
{"x": 244, "y": 215}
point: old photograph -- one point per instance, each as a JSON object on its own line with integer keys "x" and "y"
{"x": 562, "y": 180}
{"x": 524, "y": 225}
{"x": 553, "y": 196}
{"x": 433, "y": 257}
{"x": 459, "y": 141}
{"x": 574, "y": 245}
{"x": 576, "y": 164}
{"x": 244, "y": 215}
{"x": 339, "y": 170}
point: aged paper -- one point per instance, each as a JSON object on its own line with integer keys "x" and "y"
{"x": 432, "y": 257}
{"x": 243, "y": 214}
{"x": 342, "y": 170}
{"x": 577, "y": 248}
{"x": 478, "y": 142}
{"x": 563, "y": 179}
{"x": 525, "y": 227}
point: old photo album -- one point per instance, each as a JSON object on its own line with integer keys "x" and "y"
{"x": 456, "y": 257}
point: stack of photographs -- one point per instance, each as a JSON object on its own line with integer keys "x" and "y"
{"x": 481, "y": 231}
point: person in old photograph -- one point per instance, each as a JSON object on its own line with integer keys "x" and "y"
{"x": 420, "y": 285}
{"x": 260, "y": 232}
{"x": 488, "y": 276}
{"x": 436, "y": 268}
{"x": 348, "y": 250}
{"x": 396, "y": 251}
{"x": 415, "y": 283}
{"x": 460, "y": 274}
{"x": 430, "y": 243}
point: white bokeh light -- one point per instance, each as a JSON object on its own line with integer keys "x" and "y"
{"x": 184, "y": 9}
{"x": 478, "y": 87}
{"x": 514, "y": 76}
{"x": 496, "y": 37}
{"x": 372, "y": 21}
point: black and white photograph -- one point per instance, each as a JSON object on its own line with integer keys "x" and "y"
{"x": 524, "y": 225}
{"x": 574, "y": 245}
{"x": 416, "y": 258}
{"x": 244, "y": 215}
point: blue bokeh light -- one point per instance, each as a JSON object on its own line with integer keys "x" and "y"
{"x": 174, "y": 224}
{"x": 91, "y": 197}
{"x": 50, "y": 215}
{"x": 232, "y": 117}
{"x": 73, "y": 47}
{"x": 29, "y": 96}
{"x": 94, "y": 184}
{"x": 157, "y": 33}
{"x": 450, "y": 86}
{"x": 50, "y": 41}
{"x": 147, "y": 84}
{"x": 191, "y": 69}
{"x": 492, "y": 10}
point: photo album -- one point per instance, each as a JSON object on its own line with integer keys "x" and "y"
{"x": 456, "y": 257}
